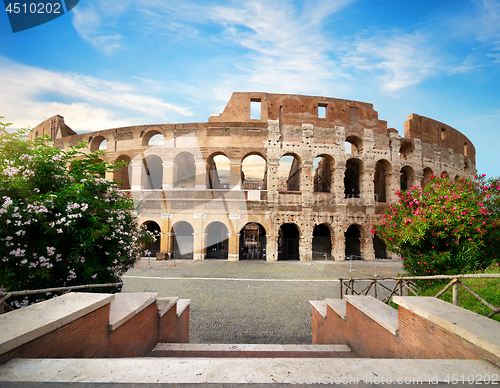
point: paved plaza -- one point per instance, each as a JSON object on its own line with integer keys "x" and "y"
{"x": 253, "y": 302}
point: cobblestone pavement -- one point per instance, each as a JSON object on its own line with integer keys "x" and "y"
{"x": 250, "y": 301}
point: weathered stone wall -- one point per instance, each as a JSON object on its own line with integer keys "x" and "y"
{"x": 379, "y": 163}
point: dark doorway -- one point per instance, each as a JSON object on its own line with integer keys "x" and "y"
{"x": 153, "y": 246}
{"x": 351, "y": 179}
{"x": 183, "y": 241}
{"x": 217, "y": 241}
{"x": 253, "y": 242}
{"x": 321, "y": 243}
{"x": 380, "y": 248}
{"x": 288, "y": 242}
{"x": 352, "y": 243}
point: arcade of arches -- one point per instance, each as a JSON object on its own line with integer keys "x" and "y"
{"x": 288, "y": 183}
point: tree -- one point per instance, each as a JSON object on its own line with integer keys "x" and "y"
{"x": 446, "y": 228}
{"x": 61, "y": 222}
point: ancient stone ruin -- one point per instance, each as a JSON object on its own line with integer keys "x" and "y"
{"x": 273, "y": 177}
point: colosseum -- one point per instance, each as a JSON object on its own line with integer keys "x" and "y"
{"x": 273, "y": 177}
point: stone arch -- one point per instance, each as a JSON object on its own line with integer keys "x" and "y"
{"x": 182, "y": 240}
{"x": 253, "y": 242}
{"x": 289, "y": 171}
{"x": 354, "y": 144}
{"x": 406, "y": 149}
{"x": 153, "y": 246}
{"x": 254, "y": 171}
{"x": 426, "y": 176}
{"x": 153, "y": 172}
{"x": 352, "y": 178}
{"x": 288, "y": 242}
{"x": 382, "y": 180}
{"x": 322, "y": 242}
{"x": 219, "y": 170}
{"x": 184, "y": 170}
{"x": 217, "y": 241}
{"x": 122, "y": 174}
{"x": 98, "y": 143}
{"x": 323, "y": 166}
{"x": 407, "y": 178}
{"x": 148, "y": 135}
{"x": 353, "y": 236}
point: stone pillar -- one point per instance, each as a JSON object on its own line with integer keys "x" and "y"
{"x": 272, "y": 181}
{"x": 306, "y": 184}
{"x": 169, "y": 174}
{"x": 367, "y": 251}
{"x": 201, "y": 176}
{"x": 136, "y": 174}
{"x": 235, "y": 176}
{"x": 338, "y": 187}
{"x": 234, "y": 246}
{"x": 394, "y": 184}
{"x": 367, "y": 191}
{"x": 305, "y": 248}
{"x": 338, "y": 248}
{"x": 272, "y": 247}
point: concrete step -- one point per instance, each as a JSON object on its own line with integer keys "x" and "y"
{"x": 251, "y": 351}
{"x": 233, "y": 371}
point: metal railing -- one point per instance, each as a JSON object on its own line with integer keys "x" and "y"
{"x": 400, "y": 286}
{"x": 4, "y": 295}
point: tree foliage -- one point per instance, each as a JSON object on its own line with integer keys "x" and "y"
{"x": 446, "y": 228}
{"x": 61, "y": 222}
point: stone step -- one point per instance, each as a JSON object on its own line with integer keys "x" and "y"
{"x": 251, "y": 351}
{"x": 233, "y": 372}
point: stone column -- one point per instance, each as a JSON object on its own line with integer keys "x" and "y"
{"x": 136, "y": 173}
{"x": 367, "y": 251}
{"x": 272, "y": 247}
{"x": 233, "y": 249}
{"x": 338, "y": 248}
{"x": 201, "y": 176}
{"x": 394, "y": 184}
{"x": 169, "y": 174}
{"x": 305, "y": 248}
{"x": 306, "y": 184}
{"x": 272, "y": 181}
{"x": 367, "y": 191}
{"x": 338, "y": 187}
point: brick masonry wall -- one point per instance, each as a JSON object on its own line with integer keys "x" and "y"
{"x": 166, "y": 326}
{"x": 417, "y": 338}
{"x": 136, "y": 337}
{"x": 182, "y": 327}
{"x": 87, "y": 336}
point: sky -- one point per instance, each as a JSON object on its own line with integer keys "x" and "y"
{"x": 114, "y": 63}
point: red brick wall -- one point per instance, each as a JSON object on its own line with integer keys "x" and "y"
{"x": 87, "y": 336}
{"x": 417, "y": 338}
{"x": 182, "y": 327}
{"x": 136, "y": 337}
{"x": 166, "y": 326}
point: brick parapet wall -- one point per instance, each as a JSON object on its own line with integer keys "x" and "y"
{"x": 417, "y": 337}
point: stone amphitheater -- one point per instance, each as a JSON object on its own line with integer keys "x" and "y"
{"x": 273, "y": 177}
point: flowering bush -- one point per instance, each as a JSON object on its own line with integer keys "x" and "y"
{"x": 446, "y": 228}
{"x": 61, "y": 223}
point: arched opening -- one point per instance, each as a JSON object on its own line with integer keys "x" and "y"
{"x": 321, "y": 242}
{"x": 379, "y": 247}
{"x": 353, "y": 243}
{"x": 381, "y": 180}
{"x": 185, "y": 170}
{"x": 153, "y": 246}
{"x": 219, "y": 172}
{"x": 253, "y": 242}
{"x": 217, "y": 241}
{"x": 153, "y": 172}
{"x": 352, "y": 178}
{"x": 289, "y": 173}
{"x": 406, "y": 178}
{"x": 98, "y": 143}
{"x": 121, "y": 174}
{"x": 153, "y": 138}
{"x": 353, "y": 145}
{"x": 322, "y": 177}
{"x": 406, "y": 150}
{"x": 426, "y": 176}
{"x": 183, "y": 240}
{"x": 288, "y": 242}
{"x": 254, "y": 173}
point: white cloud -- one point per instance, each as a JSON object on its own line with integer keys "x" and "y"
{"x": 32, "y": 95}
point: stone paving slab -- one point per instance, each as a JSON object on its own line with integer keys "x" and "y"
{"x": 243, "y": 371}
{"x": 250, "y": 301}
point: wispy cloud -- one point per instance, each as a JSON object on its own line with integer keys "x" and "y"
{"x": 36, "y": 94}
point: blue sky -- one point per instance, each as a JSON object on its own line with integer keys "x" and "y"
{"x": 113, "y": 63}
